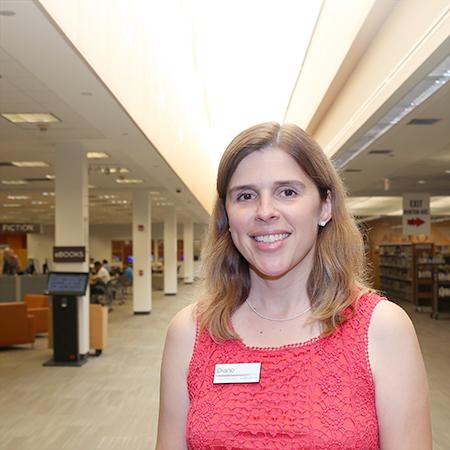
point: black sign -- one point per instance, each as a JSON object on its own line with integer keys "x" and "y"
{"x": 69, "y": 254}
{"x": 20, "y": 228}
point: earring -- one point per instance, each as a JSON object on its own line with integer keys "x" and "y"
{"x": 322, "y": 223}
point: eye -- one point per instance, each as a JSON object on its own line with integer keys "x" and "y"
{"x": 245, "y": 196}
{"x": 288, "y": 192}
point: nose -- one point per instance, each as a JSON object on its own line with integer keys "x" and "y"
{"x": 266, "y": 210}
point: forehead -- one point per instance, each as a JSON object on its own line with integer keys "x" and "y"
{"x": 269, "y": 164}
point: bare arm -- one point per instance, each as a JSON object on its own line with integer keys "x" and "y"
{"x": 174, "y": 399}
{"x": 401, "y": 388}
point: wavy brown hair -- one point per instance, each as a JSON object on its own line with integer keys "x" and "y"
{"x": 338, "y": 276}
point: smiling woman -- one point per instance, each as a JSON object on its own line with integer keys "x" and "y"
{"x": 288, "y": 346}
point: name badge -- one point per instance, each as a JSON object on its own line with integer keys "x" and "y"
{"x": 237, "y": 373}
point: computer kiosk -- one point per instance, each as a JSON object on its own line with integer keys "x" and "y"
{"x": 65, "y": 289}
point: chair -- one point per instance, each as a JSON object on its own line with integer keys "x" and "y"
{"x": 38, "y": 307}
{"x": 16, "y": 325}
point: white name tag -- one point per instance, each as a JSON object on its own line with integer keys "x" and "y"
{"x": 237, "y": 373}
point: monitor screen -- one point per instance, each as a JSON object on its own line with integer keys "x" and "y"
{"x": 67, "y": 283}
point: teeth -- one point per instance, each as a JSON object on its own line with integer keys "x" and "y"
{"x": 268, "y": 238}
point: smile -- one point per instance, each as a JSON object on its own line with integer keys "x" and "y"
{"x": 269, "y": 238}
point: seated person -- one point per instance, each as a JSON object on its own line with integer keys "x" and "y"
{"x": 128, "y": 274}
{"x": 98, "y": 280}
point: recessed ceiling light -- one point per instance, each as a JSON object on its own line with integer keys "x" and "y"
{"x": 123, "y": 170}
{"x": 29, "y": 163}
{"x": 18, "y": 197}
{"x": 50, "y": 177}
{"x": 97, "y": 155}
{"x": 14, "y": 182}
{"x": 30, "y": 117}
{"x": 129, "y": 181}
{"x": 447, "y": 171}
{"x": 421, "y": 181}
{"x": 91, "y": 186}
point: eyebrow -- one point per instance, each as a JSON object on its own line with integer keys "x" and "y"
{"x": 253, "y": 187}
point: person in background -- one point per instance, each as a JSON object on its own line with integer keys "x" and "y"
{"x": 31, "y": 268}
{"x": 101, "y": 273}
{"x": 11, "y": 264}
{"x": 288, "y": 346}
{"x": 106, "y": 265}
{"x": 128, "y": 274}
{"x": 45, "y": 267}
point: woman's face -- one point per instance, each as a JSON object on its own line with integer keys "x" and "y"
{"x": 274, "y": 210}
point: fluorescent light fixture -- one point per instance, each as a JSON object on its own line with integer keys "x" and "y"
{"x": 38, "y": 202}
{"x": 30, "y": 117}
{"x": 123, "y": 170}
{"x": 129, "y": 181}
{"x": 154, "y": 193}
{"x": 46, "y": 194}
{"x": 97, "y": 155}
{"x": 421, "y": 181}
{"x": 14, "y": 182}
{"x": 18, "y": 197}
{"x": 432, "y": 82}
{"x": 29, "y": 163}
{"x": 50, "y": 177}
{"x": 91, "y": 186}
{"x": 12, "y": 205}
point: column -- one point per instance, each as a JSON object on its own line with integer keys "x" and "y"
{"x": 142, "y": 266}
{"x": 170, "y": 251}
{"x": 72, "y": 220}
{"x": 188, "y": 251}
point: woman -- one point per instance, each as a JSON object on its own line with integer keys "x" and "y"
{"x": 288, "y": 347}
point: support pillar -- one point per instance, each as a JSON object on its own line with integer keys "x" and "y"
{"x": 188, "y": 251}
{"x": 72, "y": 220}
{"x": 142, "y": 265}
{"x": 170, "y": 251}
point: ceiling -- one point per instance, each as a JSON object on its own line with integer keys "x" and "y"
{"x": 40, "y": 71}
{"x": 33, "y": 71}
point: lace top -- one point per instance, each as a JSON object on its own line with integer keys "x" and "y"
{"x": 318, "y": 394}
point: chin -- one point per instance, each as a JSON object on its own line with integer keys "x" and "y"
{"x": 273, "y": 273}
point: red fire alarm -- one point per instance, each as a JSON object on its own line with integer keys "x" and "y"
{"x": 140, "y": 227}
{"x": 141, "y": 273}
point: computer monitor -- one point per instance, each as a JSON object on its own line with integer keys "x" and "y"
{"x": 67, "y": 283}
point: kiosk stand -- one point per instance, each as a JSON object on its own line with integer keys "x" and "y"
{"x": 65, "y": 289}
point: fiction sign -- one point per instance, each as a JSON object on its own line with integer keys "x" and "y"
{"x": 20, "y": 228}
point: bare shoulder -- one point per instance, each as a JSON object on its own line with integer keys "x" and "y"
{"x": 388, "y": 321}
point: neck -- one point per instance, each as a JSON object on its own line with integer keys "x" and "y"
{"x": 282, "y": 296}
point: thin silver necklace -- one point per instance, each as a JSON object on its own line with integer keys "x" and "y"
{"x": 285, "y": 319}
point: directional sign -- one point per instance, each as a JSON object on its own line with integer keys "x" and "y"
{"x": 416, "y": 214}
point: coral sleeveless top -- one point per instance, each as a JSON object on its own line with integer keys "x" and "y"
{"x": 318, "y": 394}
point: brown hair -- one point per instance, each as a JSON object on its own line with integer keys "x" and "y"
{"x": 337, "y": 279}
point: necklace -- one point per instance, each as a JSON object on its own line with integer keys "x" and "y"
{"x": 276, "y": 319}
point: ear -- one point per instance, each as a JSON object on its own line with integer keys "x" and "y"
{"x": 325, "y": 213}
